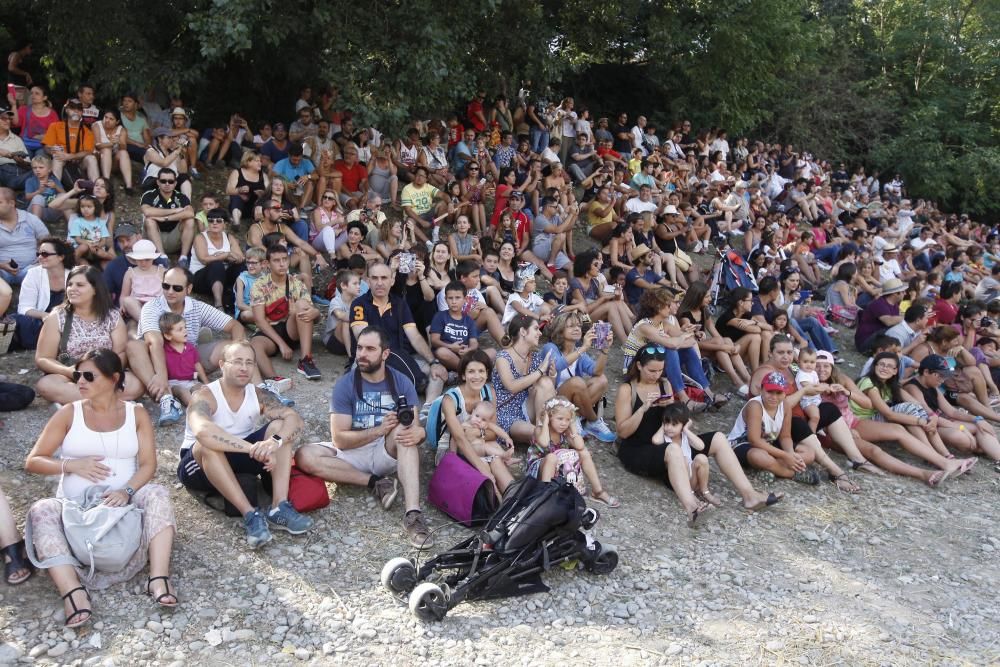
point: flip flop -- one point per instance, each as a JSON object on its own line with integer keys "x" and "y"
{"x": 938, "y": 478}
{"x": 967, "y": 465}
{"x": 867, "y": 466}
{"x": 772, "y": 499}
{"x": 606, "y": 498}
{"x": 841, "y": 481}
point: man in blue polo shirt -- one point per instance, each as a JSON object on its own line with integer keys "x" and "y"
{"x": 389, "y": 312}
{"x": 299, "y": 172}
{"x": 20, "y": 232}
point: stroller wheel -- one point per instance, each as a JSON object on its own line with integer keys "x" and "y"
{"x": 605, "y": 561}
{"x": 399, "y": 575}
{"x": 590, "y": 517}
{"x": 428, "y": 602}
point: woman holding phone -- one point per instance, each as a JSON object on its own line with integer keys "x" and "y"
{"x": 523, "y": 379}
{"x": 693, "y": 311}
{"x": 578, "y": 377}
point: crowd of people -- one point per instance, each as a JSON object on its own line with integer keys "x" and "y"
{"x": 483, "y": 267}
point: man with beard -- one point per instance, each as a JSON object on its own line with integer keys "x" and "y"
{"x": 374, "y": 434}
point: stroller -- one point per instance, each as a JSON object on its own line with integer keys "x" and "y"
{"x": 731, "y": 271}
{"x": 538, "y": 526}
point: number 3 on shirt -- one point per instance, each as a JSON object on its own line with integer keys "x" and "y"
{"x": 359, "y": 314}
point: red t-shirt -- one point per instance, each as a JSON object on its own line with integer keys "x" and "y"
{"x": 502, "y": 196}
{"x": 181, "y": 365}
{"x": 351, "y": 177}
{"x": 455, "y": 133}
{"x": 470, "y": 111}
{"x": 601, "y": 152}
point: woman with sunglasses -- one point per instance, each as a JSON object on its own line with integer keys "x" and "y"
{"x": 473, "y": 188}
{"x": 105, "y": 441}
{"x": 640, "y": 405}
{"x": 522, "y": 378}
{"x": 93, "y": 323}
{"x": 589, "y": 287}
{"x": 43, "y": 288}
{"x": 217, "y": 261}
{"x": 656, "y": 328}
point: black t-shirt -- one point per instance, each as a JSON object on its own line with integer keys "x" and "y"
{"x": 623, "y": 146}
{"x": 156, "y": 199}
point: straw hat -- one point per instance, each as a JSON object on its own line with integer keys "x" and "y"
{"x": 639, "y": 251}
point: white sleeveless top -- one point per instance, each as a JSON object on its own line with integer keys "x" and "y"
{"x": 771, "y": 426}
{"x": 241, "y": 423}
{"x": 408, "y": 156}
{"x": 196, "y": 264}
{"x": 119, "y": 449}
{"x": 152, "y": 170}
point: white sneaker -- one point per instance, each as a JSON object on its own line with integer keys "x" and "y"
{"x": 743, "y": 391}
{"x": 697, "y": 247}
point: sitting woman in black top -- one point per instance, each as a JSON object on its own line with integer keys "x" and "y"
{"x": 645, "y": 414}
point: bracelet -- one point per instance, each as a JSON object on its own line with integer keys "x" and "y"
{"x": 62, "y": 467}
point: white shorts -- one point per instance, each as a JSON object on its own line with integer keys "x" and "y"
{"x": 371, "y": 459}
{"x": 185, "y": 384}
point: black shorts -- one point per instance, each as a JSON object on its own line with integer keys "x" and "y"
{"x": 280, "y": 328}
{"x": 828, "y": 413}
{"x": 193, "y": 477}
{"x": 649, "y": 460}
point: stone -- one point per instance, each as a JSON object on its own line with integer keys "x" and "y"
{"x": 9, "y": 653}
{"x": 809, "y": 536}
{"x": 213, "y": 637}
{"x": 58, "y": 650}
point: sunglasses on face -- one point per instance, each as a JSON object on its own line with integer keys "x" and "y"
{"x": 273, "y": 208}
{"x": 43, "y": 254}
{"x": 328, "y": 198}
{"x": 177, "y": 288}
{"x": 216, "y": 221}
{"x": 86, "y": 375}
{"x": 163, "y": 182}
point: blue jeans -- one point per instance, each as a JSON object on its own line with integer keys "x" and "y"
{"x": 810, "y": 329}
{"x": 301, "y": 229}
{"x": 539, "y": 140}
{"x": 691, "y": 363}
{"x": 828, "y": 254}
{"x": 13, "y": 279}
{"x": 13, "y": 177}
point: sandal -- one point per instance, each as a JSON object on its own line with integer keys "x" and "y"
{"x": 694, "y": 407}
{"x": 77, "y": 611}
{"x": 709, "y": 498}
{"x": 697, "y": 513}
{"x": 605, "y": 498}
{"x": 167, "y": 594}
{"x": 967, "y": 465}
{"x": 18, "y": 564}
{"x": 867, "y": 466}
{"x": 772, "y": 499}
{"x": 843, "y": 483}
{"x": 937, "y": 478}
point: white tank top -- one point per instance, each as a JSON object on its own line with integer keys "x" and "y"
{"x": 241, "y": 423}
{"x": 196, "y": 264}
{"x": 153, "y": 169}
{"x": 119, "y": 449}
{"x": 408, "y": 156}
{"x": 771, "y": 426}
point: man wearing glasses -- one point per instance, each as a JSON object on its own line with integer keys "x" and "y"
{"x": 145, "y": 355}
{"x": 20, "y": 232}
{"x": 371, "y": 216}
{"x": 168, "y": 217}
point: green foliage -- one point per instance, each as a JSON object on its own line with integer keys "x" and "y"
{"x": 898, "y": 84}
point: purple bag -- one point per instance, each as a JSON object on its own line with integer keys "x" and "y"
{"x": 460, "y": 491}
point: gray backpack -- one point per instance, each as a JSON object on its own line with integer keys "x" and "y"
{"x": 101, "y": 537}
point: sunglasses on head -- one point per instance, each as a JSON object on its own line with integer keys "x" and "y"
{"x": 177, "y": 288}
{"x": 654, "y": 351}
{"x": 86, "y": 375}
{"x": 171, "y": 182}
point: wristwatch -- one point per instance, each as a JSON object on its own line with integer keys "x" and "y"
{"x": 434, "y": 362}
{"x": 130, "y": 491}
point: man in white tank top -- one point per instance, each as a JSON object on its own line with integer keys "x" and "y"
{"x": 222, "y": 439}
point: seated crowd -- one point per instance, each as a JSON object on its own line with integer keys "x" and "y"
{"x": 482, "y": 269}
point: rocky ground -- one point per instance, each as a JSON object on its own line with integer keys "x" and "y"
{"x": 898, "y": 575}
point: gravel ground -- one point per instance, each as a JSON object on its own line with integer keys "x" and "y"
{"x": 899, "y": 575}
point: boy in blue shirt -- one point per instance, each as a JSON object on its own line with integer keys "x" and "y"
{"x": 453, "y": 333}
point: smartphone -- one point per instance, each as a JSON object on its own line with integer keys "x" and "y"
{"x": 86, "y": 186}
{"x": 601, "y": 331}
{"x": 665, "y": 397}
{"x": 611, "y": 289}
{"x": 406, "y": 262}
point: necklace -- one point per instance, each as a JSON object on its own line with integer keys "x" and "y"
{"x": 104, "y": 444}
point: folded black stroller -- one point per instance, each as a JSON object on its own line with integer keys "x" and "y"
{"x": 538, "y": 526}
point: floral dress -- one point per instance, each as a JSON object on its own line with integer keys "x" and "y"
{"x": 512, "y": 407}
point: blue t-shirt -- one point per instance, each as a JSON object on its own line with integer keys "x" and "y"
{"x": 584, "y": 366}
{"x": 273, "y": 153}
{"x": 89, "y": 231}
{"x": 452, "y": 330}
{"x": 31, "y": 185}
{"x": 376, "y": 399}
{"x": 290, "y": 172}
{"x": 633, "y": 291}
{"x": 459, "y": 162}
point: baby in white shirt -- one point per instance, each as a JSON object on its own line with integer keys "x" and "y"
{"x": 807, "y": 376}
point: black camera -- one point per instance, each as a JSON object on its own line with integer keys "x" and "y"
{"x": 404, "y": 412}
{"x": 985, "y": 323}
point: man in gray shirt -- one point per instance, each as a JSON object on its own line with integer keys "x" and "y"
{"x": 20, "y": 232}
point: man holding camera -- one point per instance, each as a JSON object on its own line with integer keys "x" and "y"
{"x": 374, "y": 434}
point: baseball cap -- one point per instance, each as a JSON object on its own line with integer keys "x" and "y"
{"x": 935, "y": 363}
{"x": 774, "y": 382}
{"x": 823, "y": 355}
{"x": 517, "y": 194}
{"x": 125, "y": 230}
{"x": 5, "y": 111}
{"x": 161, "y": 132}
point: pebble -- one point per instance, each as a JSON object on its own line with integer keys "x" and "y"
{"x": 58, "y": 650}
{"x": 809, "y": 536}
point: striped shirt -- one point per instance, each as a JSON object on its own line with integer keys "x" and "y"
{"x": 197, "y": 314}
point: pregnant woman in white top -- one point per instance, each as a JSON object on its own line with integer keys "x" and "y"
{"x": 108, "y": 442}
